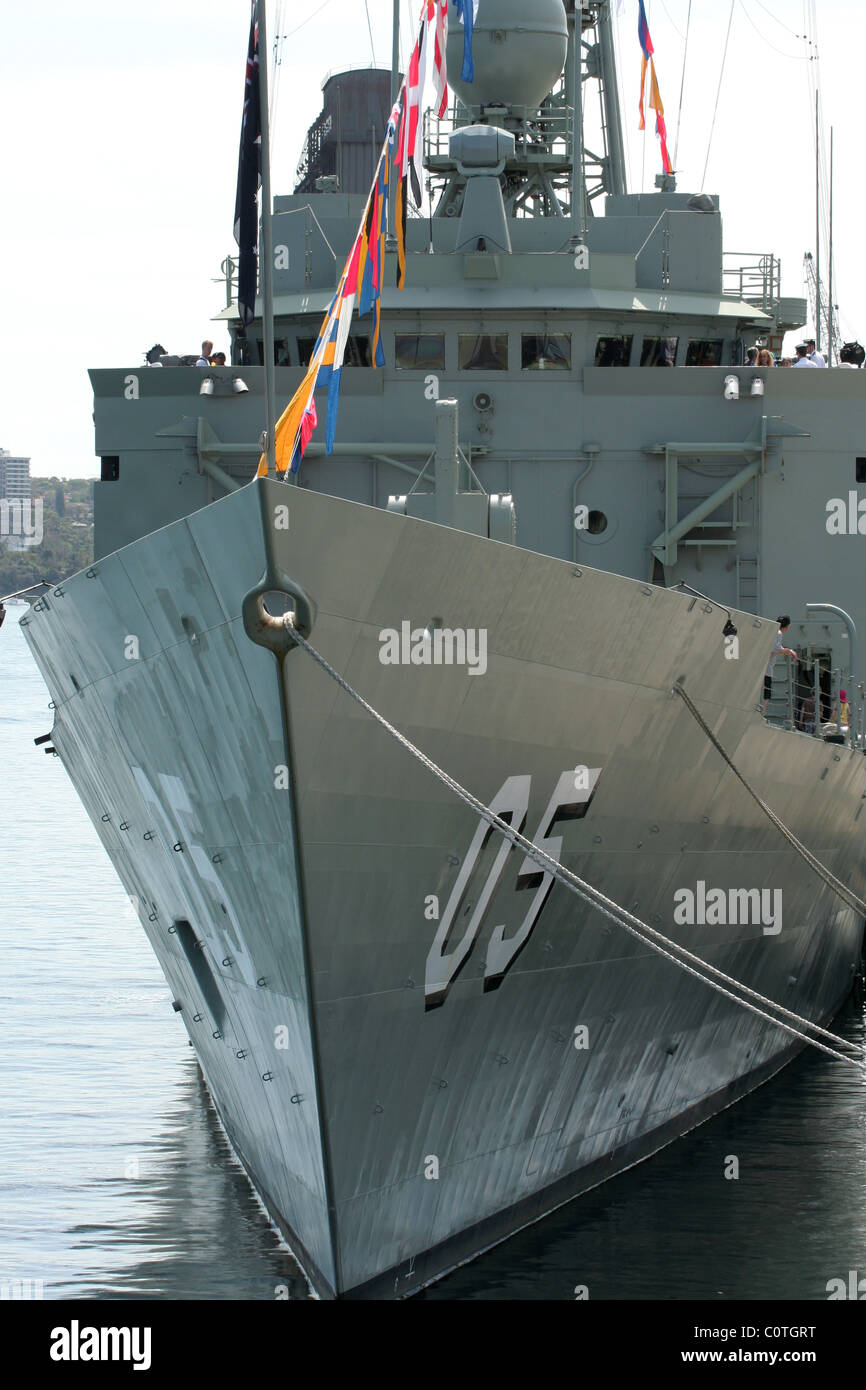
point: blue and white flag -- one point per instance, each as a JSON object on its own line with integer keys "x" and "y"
{"x": 468, "y": 12}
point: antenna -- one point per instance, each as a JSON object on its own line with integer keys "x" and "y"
{"x": 817, "y": 226}
{"x": 830, "y": 282}
{"x": 395, "y": 54}
{"x": 267, "y": 256}
{"x": 610, "y": 98}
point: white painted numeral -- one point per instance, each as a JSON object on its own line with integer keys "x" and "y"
{"x": 568, "y": 802}
{"x": 562, "y": 806}
{"x": 511, "y": 804}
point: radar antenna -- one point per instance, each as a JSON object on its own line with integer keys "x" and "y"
{"x": 556, "y": 171}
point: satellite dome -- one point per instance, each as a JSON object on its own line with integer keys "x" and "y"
{"x": 519, "y": 51}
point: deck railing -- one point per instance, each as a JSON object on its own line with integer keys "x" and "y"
{"x": 754, "y": 278}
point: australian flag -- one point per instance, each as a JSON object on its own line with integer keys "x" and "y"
{"x": 249, "y": 182}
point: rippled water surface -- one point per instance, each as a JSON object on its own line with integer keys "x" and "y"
{"x": 116, "y": 1180}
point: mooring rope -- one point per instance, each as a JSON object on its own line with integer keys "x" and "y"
{"x": 831, "y": 880}
{"x": 655, "y": 940}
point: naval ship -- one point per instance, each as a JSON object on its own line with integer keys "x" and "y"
{"x": 540, "y": 552}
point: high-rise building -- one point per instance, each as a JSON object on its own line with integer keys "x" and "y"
{"x": 14, "y": 476}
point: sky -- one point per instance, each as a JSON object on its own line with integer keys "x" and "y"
{"x": 118, "y": 163}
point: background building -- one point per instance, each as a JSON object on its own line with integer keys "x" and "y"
{"x": 17, "y": 531}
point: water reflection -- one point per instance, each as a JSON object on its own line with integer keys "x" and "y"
{"x": 192, "y": 1227}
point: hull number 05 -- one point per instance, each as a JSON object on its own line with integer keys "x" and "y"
{"x": 570, "y": 801}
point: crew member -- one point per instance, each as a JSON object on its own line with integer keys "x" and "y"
{"x": 815, "y": 357}
{"x": 778, "y": 650}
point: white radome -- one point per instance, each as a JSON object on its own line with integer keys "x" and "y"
{"x": 519, "y": 52}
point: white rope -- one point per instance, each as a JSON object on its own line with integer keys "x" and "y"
{"x": 682, "y": 84}
{"x": 838, "y": 887}
{"x": 657, "y": 942}
{"x": 718, "y": 94}
{"x": 370, "y": 31}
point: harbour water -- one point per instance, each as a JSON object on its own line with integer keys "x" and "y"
{"x": 116, "y": 1180}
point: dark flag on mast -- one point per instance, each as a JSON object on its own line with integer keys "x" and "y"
{"x": 249, "y": 182}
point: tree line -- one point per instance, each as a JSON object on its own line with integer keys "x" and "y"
{"x": 67, "y": 534}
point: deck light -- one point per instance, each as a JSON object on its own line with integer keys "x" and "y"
{"x": 239, "y": 386}
{"x": 206, "y": 388}
{"x": 728, "y": 630}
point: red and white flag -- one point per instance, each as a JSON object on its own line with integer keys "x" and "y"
{"x": 439, "y": 70}
{"x": 428, "y": 57}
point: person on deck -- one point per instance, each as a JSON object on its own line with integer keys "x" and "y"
{"x": 806, "y": 717}
{"x": 778, "y": 650}
{"x": 815, "y": 357}
{"x": 206, "y": 350}
{"x": 802, "y": 359}
{"x": 844, "y": 710}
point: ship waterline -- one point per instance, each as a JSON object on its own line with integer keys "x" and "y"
{"x": 403, "y": 1095}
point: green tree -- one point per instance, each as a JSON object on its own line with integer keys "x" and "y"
{"x": 67, "y": 541}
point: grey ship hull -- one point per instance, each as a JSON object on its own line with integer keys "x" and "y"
{"x": 308, "y": 894}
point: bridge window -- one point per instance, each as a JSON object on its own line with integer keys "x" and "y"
{"x": 704, "y": 352}
{"x": 860, "y": 466}
{"x": 419, "y": 352}
{"x": 357, "y": 352}
{"x": 613, "y": 352}
{"x": 659, "y": 352}
{"x": 483, "y": 352}
{"x": 547, "y": 352}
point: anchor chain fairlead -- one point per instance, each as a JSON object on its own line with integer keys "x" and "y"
{"x": 270, "y": 630}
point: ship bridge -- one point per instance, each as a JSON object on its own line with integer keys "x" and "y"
{"x": 540, "y": 294}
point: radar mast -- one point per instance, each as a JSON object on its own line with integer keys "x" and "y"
{"x": 566, "y": 47}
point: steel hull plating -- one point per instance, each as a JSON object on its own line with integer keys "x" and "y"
{"x": 252, "y": 806}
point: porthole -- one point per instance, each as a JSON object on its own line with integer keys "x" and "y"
{"x": 601, "y": 526}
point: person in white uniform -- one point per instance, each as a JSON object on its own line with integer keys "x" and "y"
{"x": 815, "y": 357}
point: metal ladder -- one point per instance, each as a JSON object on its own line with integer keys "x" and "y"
{"x": 748, "y": 583}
